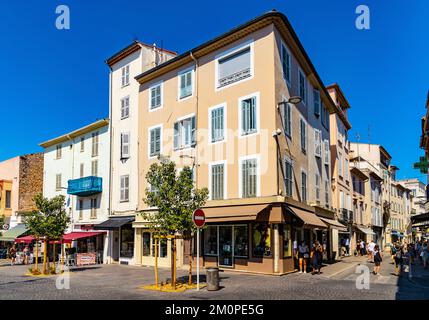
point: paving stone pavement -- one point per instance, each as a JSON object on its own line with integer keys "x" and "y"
{"x": 122, "y": 283}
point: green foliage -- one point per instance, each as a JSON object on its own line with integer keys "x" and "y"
{"x": 175, "y": 197}
{"x": 50, "y": 220}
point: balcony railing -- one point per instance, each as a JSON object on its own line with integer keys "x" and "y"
{"x": 346, "y": 216}
{"x": 86, "y": 186}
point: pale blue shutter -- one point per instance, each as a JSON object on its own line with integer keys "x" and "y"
{"x": 193, "y": 130}
{"x": 176, "y": 135}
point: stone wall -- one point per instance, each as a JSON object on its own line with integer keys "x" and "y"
{"x": 30, "y": 180}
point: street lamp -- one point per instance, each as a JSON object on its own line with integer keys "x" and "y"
{"x": 293, "y": 100}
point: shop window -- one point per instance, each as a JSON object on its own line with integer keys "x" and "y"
{"x": 127, "y": 241}
{"x": 210, "y": 240}
{"x": 287, "y": 241}
{"x": 162, "y": 248}
{"x": 240, "y": 241}
{"x": 146, "y": 244}
{"x": 261, "y": 240}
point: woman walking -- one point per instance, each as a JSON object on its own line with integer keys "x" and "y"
{"x": 317, "y": 256}
{"x": 377, "y": 259}
{"x": 398, "y": 258}
{"x": 425, "y": 254}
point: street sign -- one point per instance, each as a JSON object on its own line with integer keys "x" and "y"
{"x": 199, "y": 218}
{"x": 5, "y": 226}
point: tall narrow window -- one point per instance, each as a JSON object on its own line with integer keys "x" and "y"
{"x": 303, "y": 131}
{"x": 8, "y": 199}
{"x": 326, "y": 151}
{"x": 340, "y": 164}
{"x": 302, "y": 86}
{"x": 125, "y": 145}
{"x": 287, "y": 116}
{"x": 318, "y": 143}
{"x": 82, "y": 170}
{"x": 155, "y": 141}
{"x": 58, "y": 179}
{"x": 94, "y": 168}
{"x": 82, "y": 144}
{"x": 286, "y": 64}
{"x": 124, "y": 192}
{"x": 288, "y": 177}
{"x": 303, "y": 186}
{"x": 248, "y": 116}
{"x": 249, "y": 178}
{"x": 80, "y": 209}
{"x": 184, "y": 133}
{"x": 125, "y": 76}
{"x": 317, "y": 186}
{"x": 185, "y": 84}
{"x": 346, "y": 169}
{"x": 94, "y": 208}
{"x": 59, "y": 151}
{"x": 217, "y": 124}
{"x": 316, "y": 101}
{"x": 217, "y": 182}
{"x": 95, "y": 144}
{"x": 156, "y": 96}
{"x": 327, "y": 193}
{"x": 125, "y": 107}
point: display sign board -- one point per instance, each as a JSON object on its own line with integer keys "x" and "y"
{"x": 199, "y": 218}
{"x": 84, "y": 259}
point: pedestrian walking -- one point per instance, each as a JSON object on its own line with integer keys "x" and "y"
{"x": 12, "y": 254}
{"x": 371, "y": 247}
{"x": 26, "y": 254}
{"x": 363, "y": 248}
{"x": 377, "y": 259}
{"x": 347, "y": 245}
{"x": 424, "y": 254}
{"x": 303, "y": 255}
{"x": 316, "y": 258}
{"x": 398, "y": 258}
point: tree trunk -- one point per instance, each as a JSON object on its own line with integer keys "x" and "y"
{"x": 62, "y": 258}
{"x": 156, "y": 263}
{"x": 173, "y": 266}
{"x": 55, "y": 253}
{"x": 37, "y": 255}
{"x": 191, "y": 258}
{"x": 45, "y": 249}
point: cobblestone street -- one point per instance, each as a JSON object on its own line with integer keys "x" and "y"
{"x": 123, "y": 282}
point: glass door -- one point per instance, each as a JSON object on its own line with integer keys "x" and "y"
{"x": 225, "y": 246}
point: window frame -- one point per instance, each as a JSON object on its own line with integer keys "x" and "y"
{"x": 304, "y": 199}
{"x": 125, "y": 176}
{"x": 95, "y": 144}
{"x": 289, "y": 161}
{"x": 304, "y": 99}
{"x": 125, "y": 156}
{"x": 258, "y": 174}
{"x": 283, "y": 46}
{"x": 180, "y": 128}
{"x": 58, "y": 151}
{"x": 230, "y": 52}
{"x": 126, "y": 98}
{"x": 225, "y": 179}
{"x": 210, "y": 110}
{"x": 318, "y": 112}
{"x": 149, "y": 130}
{"x": 59, "y": 177}
{"x": 161, "y": 85}
{"x": 179, "y": 79}
{"x": 125, "y": 75}
{"x": 305, "y": 147}
{"x": 255, "y": 95}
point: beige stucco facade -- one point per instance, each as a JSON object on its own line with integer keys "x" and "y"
{"x": 269, "y": 144}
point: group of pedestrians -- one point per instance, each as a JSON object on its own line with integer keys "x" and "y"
{"x": 413, "y": 252}
{"x": 314, "y": 256}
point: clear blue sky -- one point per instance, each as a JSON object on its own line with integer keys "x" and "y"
{"x": 56, "y": 81}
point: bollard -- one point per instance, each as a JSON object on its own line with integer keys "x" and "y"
{"x": 212, "y": 279}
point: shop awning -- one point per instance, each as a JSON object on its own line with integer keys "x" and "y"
{"x": 79, "y": 235}
{"x": 114, "y": 223}
{"x": 26, "y": 239}
{"x": 11, "y": 234}
{"x": 334, "y": 224}
{"x": 309, "y": 218}
{"x": 366, "y": 230}
{"x": 234, "y": 213}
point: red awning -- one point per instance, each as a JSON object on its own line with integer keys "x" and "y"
{"x": 26, "y": 239}
{"x": 79, "y": 235}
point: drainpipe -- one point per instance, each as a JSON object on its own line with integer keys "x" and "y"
{"x": 196, "y": 118}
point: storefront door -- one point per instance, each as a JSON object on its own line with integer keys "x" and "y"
{"x": 225, "y": 246}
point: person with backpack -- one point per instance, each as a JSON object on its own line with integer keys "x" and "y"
{"x": 399, "y": 261}
{"x": 377, "y": 259}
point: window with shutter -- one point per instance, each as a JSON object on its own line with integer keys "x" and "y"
{"x": 185, "y": 133}
{"x": 287, "y": 116}
{"x": 327, "y": 151}
{"x": 94, "y": 168}
{"x": 249, "y": 116}
{"x": 234, "y": 67}
{"x": 217, "y": 122}
{"x": 155, "y": 142}
{"x": 82, "y": 170}
{"x": 302, "y": 86}
{"x": 317, "y": 186}
{"x": 185, "y": 85}
{"x": 303, "y": 186}
{"x": 125, "y": 107}
{"x": 316, "y": 101}
{"x": 286, "y": 64}
{"x": 94, "y": 149}
{"x": 125, "y": 76}
{"x": 125, "y": 145}
{"x": 124, "y": 191}
{"x": 249, "y": 178}
{"x": 303, "y": 132}
{"x": 58, "y": 179}
{"x": 288, "y": 177}
{"x": 217, "y": 182}
{"x": 155, "y": 96}
{"x": 318, "y": 143}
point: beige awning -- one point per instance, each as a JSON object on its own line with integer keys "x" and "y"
{"x": 334, "y": 224}
{"x": 366, "y": 230}
{"x": 234, "y": 213}
{"x": 309, "y": 218}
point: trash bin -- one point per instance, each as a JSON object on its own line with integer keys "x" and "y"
{"x": 212, "y": 279}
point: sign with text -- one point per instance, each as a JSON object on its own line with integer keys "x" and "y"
{"x": 85, "y": 259}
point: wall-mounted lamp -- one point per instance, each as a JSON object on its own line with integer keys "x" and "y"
{"x": 292, "y": 100}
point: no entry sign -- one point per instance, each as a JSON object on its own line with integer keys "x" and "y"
{"x": 199, "y": 218}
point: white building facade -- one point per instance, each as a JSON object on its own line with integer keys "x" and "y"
{"x": 76, "y": 165}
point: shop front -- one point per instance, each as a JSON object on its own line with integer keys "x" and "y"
{"x": 84, "y": 247}
{"x": 257, "y": 238}
{"x": 120, "y": 239}
{"x": 335, "y": 233}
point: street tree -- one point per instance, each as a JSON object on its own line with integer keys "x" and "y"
{"x": 175, "y": 197}
{"x": 48, "y": 222}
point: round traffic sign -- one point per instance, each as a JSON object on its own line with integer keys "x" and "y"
{"x": 5, "y": 226}
{"x": 199, "y": 218}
